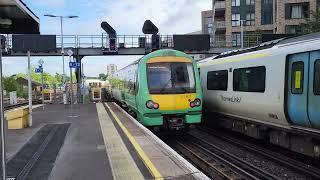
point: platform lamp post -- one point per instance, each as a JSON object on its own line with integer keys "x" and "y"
{"x": 62, "y": 45}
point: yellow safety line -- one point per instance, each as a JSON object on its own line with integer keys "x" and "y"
{"x": 146, "y": 160}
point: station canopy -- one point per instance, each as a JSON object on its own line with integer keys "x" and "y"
{"x": 17, "y": 18}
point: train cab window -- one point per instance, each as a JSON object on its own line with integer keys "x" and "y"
{"x": 171, "y": 78}
{"x": 217, "y": 80}
{"x": 297, "y": 76}
{"x": 251, "y": 79}
{"x": 316, "y": 88}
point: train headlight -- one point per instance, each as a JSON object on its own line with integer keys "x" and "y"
{"x": 197, "y": 102}
{"x": 152, "y": 105}
{"x": 156, "y": 106}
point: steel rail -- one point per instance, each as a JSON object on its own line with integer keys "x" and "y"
{"x": 275, "y": 156}
{"x": 250, "y": 168}
{"x": 213, "y": 164}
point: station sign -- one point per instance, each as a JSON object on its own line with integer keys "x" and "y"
{"x": 38, "y": 70}
{"x": 74, "y": 64}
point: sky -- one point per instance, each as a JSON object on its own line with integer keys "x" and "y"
{"x": 125, "y": 16}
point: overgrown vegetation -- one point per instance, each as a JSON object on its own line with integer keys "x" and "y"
{"x": 312, "y": 24}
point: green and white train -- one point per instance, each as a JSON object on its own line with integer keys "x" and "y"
{"x": 162, "y": 90}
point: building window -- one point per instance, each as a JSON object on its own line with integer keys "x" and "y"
{"x": 316, "y": 84}
{"x": 266, "y": 18}
{"x": 251, "y": 79}
{"x": 297, "y": 77}
{"x": 236, "y": 39}
{"x": 235, "y": 3}
{"x": 249, "y": 2}
{"x": 208, "y": 25}
{"x": 267, "y": 1}
{"x": 235, "y": 20}
{"x": 293, "y": 29}
{"x": 250, "y": 19}
{"x": 217, "y": 80}
{"x": 297, "y": 11}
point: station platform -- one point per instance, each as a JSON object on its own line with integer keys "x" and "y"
{"x": 92, "y": 141}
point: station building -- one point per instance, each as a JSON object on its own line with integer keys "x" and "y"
{"x": 111, "y": 68}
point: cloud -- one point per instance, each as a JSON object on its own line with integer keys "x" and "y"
{"x": 170, "y": 16}
{"x": 93, "y": 65}
{"x": 49, "y": 3}
{"x": 127, "y": 16}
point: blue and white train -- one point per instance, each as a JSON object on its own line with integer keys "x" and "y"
{"x": 271, "y": 93}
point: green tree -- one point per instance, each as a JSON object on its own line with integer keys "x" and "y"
{"x": 59, "y": 78}
{"x": 10, "y": 84}
{"x": 312, "y": 24}
{"x": 103, "y": 76}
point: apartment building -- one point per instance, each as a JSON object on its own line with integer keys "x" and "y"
{"x": 111, "y": 68}
{"x": 266, "y": 16}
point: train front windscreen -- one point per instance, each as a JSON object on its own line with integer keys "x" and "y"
{"x": 171, "y": 78}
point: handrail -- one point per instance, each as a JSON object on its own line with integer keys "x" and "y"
{"x": 139, "y": 41}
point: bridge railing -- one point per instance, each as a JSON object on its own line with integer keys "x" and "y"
{"x": 249, "y": 40}
{"x": 141, "y": 41}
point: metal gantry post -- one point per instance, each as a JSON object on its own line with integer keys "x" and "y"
{"x": 42, "y": 89}
{"x": 71, "y": 84}
{"x": 3, "y": 144}
{"x": 82, "y": 75}
{"x": 42, "y": 86}
{"x": 30, "y": 90}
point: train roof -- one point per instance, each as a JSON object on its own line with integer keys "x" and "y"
{"x": 269, "y": 44}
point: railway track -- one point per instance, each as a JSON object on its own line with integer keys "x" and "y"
{"x": 9, "y": 107}
{"x": 299, "y": 166}
{"x": 218, "y": 163}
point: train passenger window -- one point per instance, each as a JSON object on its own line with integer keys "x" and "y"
{"x": 297, "y": 76}
{"x": 251, "y": 79}
{"x": 217, "y": 80}
{"x": 316, "y": 88}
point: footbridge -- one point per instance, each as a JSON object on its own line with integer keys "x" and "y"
{"x": 101, "y": 45}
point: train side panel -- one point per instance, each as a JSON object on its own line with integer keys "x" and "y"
{"x": 264, "y": 106}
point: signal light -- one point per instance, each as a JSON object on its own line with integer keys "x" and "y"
{"x": 112, "y": 43}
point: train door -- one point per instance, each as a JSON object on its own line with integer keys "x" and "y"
{"x": 314, "y": 89}
{"x": 297, "y": 102}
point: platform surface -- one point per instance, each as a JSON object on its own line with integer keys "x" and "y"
{"x": 97, "y": 145}
{"x": 164, "y": 162}
{"x": 83, "y": 155}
